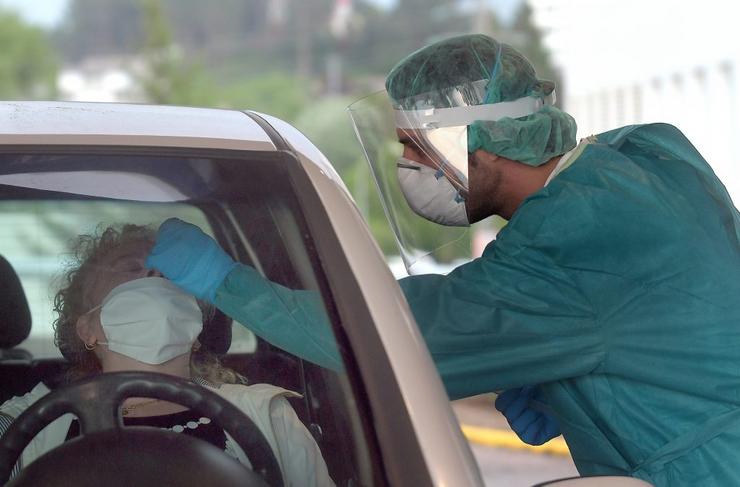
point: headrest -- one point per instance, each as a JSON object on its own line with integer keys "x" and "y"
{"x": 15, "y": 316}
{"x": 216, "y": 334}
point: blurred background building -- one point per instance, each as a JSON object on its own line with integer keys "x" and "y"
{"x": 633, "y": 61}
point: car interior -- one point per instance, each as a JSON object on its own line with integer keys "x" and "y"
{"x": 247, "y": 202}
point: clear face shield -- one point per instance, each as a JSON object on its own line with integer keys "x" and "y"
{"x": 418, "y": 155}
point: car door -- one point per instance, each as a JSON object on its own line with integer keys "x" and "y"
{"x": 275, "y": 204}
{"x": 393, "y": 368}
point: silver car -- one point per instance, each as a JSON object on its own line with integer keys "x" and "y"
{"x": 273, "y": 201}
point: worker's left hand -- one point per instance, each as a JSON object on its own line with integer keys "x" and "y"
{"x": 190, "y": 258}
{"x": 532, "y": 426}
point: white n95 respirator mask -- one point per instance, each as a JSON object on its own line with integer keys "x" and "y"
{"x": 150, "y": 320}
{"x": 430, "y": 194}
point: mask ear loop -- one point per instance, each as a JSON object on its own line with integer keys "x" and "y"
{"x": 92, "y": 309}
{"x": 91, "y": 346}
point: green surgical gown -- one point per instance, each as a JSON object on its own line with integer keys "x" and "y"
{"x": 616, "y": 288}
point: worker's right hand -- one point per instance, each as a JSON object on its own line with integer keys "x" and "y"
{"x": 532, "y": 426}
{"x": 190, "y": 258}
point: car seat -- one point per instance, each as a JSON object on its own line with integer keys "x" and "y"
{"x": 15, "y": 315}
{"x": 19, "y": 372}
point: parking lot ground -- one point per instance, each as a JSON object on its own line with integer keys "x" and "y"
{"x": 510, "y": 467}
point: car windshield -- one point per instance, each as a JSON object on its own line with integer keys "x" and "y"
{"x": 245, "y": 201}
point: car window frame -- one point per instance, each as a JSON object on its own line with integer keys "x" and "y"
{"x": 289, "y": 160}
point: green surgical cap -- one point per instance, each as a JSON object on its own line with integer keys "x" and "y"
{"x": 474, "y": 70}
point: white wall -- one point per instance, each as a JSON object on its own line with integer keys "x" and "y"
{"x": 637, "y": 61}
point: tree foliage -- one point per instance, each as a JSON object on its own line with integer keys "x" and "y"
{"x": 274, "y": 56}
{"x": 276, "y": 93}
{"x": 248, "y": 38}
{"x": 99, "y": 28}
{"x": 168, "y": 78}
{"x": 28, "y": 65}
{"x": 524, "y": 36}
{"x": 171, "y": 78}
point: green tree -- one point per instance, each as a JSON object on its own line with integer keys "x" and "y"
{"x": 277, "y": 94}
{"x": 28, "y": 65}
{"x": 526, "y": 37}
{"x": 99, "y": 28}
{"x": 389, "y": 35}
{"x": 168, "y": 78}
{"x": 327, "y": 124}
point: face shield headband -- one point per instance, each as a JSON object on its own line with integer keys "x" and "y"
{"x": 432, "y": 118}
{"x": 441, "y": 134}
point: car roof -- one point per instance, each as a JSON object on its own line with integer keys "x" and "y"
{"x": 119, "y": 124}
{"x": 54, "y": 123}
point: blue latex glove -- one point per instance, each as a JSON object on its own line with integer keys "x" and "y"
{"x": 190, "y": 258}
{"x": 532, "y": 426}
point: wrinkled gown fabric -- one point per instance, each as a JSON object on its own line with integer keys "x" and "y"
{"x": 616, "y": 288}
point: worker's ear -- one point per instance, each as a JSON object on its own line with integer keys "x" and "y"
{"x": 482, "y": 158}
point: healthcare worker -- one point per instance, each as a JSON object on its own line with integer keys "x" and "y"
{"x": 611, "y": 299}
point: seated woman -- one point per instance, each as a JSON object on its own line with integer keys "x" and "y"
{"x": 115, "y": 315}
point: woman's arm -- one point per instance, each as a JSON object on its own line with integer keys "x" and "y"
{"x": 303, "y": 464}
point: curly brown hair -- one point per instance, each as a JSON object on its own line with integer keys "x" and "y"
{"x": 89, "y": 251}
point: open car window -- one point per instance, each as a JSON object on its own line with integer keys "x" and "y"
{"x": 36, "y": 236}
{"x": 247, "y": 202}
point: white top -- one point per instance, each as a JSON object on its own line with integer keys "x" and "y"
{"x": 295, "y": 449}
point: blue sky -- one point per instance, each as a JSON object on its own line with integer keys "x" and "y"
{"x": 49, "y": 12}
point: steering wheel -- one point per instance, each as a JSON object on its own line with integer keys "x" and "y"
{"x": 109, "y": 453}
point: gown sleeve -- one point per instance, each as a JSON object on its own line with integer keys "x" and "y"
{"x": 507, "y": 319}
{"x": 503, "y": 321}
{"x": 294, "y": 320}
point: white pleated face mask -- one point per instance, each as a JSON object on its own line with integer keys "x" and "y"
{"x": 150, "y": 320}
{"x": 430, "y": 194}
